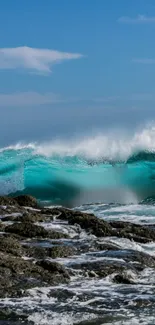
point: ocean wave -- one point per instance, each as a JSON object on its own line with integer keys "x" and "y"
{"x": 113, "y": 167}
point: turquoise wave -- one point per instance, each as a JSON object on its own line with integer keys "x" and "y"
{"x": 65, "y": 178}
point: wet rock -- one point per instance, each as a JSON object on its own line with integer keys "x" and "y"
{"x": 56, "y": 235}
{"x": 6, "y": 200}
{"x": 61, "y": 294}
{"x": 18, "y": 275}
{"x": 119, "y": 224}
{"x": 35, "y": 217}
{"x": 30, "y": 230}
{"x": 38, "y": 216}
{"x": 35, "y": 252}
{"x": 87, "y": 221}
{"x": 9, "y": 316}
{"x": 106, "y": 246}
{"x": 10, "y": 245}
{"x": 123, "y": 278}
{"x": 53, "y": 267}
{"x": 2, "y": 226}
{"x": 12, "y": 235}
{"x": 98, "y": 321}
{"x": 27, "y": 229}
{"x": 27, "y": 201}
{"x": 60, "y": 251}
{"x": 12, "y": 217}
{"x": 101, "y": 268}
{"x": 143, "y": 302}
{"x": 52, "y": 252}
{"x": 101, "y": 228}
{"x": 47, "y": 211}
{"x": 27, "y": 216}
{"x": 94, "y": 245}
{"x": 138, "y": 233}
{"x": 16, "y": 265}
{"x": 8, "y": 210}
{"x": 145, "y": 260}
{"x": 20, "y": 217}
{"x": 134, "y": 259}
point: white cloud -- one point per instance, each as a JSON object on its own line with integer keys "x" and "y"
{"x": 38, "y": 60}
{"x": 32, "y": 98}
{"x": 28, "y": 99}
{"x": 140, "y": 19}
{"x": 144, "y": 61}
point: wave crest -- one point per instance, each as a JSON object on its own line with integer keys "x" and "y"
{"x": 96, "y": 168}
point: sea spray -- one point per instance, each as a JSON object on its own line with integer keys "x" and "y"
{"x": 104, "y": 168}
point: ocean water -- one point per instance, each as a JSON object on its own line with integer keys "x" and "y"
{"x": 107, "y": 169}
{"x": 112, "y": 176}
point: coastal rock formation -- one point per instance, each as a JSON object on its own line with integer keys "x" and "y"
{"x": 32, "y": 254}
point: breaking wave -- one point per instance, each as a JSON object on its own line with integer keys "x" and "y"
{"x": 106, "y": 168}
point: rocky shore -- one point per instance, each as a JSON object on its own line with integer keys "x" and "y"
{"x": 34, "y": 242}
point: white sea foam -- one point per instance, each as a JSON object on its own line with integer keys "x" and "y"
{"x": 114, "y": 145}
{"x": 125, "y": 243}
{"x": 135, "y": 213}
{"x": 87, "y": 299}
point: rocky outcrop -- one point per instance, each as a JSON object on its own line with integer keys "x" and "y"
{"x": 30, "y": 253}
{"x": 27, "y": 229}
{"x": 87, "y": 221}
{"x": 18, "y": 275}
{"x": 31, "y": 230}
{"x": 26, "y": 201}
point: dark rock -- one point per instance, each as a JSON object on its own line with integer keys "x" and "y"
{"x": 12, "y": 217}
{"x": 52, "y": 252}
{"x": 12, "y": 235}
{"x": 145, "y": 260}
{"x": 87, "y": 221}
{"x": 16, "y": 265}
{"x": 138, "y": 233}
{"x": 8, "y": 316}
{"x": 98, "y": 321}
{"x": 17, "y": 275}
{"x": 123, "y": 278}
{"x": 143, "y": 302}
{"x": 27, "y": 229}
{"x": 53, "y": 267}
{"x": 36, "y": 252}
{"x": 101, "y": 268}
{"x": 27, "y": 201}
{"x": 60, "y": 251}
{"x": 35, "y": 217}
{"x": 30, "y": 230}
{"x": 8, "y": 210}
{"x": 47, "y": 211}
{"x": 56, "y": 235}
{"x": 119, "y": 224}
{"x": 5, "y": 201}
{"x": 106, "y": 246}
{"x": 2, "y": 226}
{"x": 136, "y": 259}
{"x": 101, "y": 228}
{"x": 94, "y": 246}
{"x": 27, "y": 216}
{"x": 10, "y": 245}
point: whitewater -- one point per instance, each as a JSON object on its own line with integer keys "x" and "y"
{"x": 105, "y": 168}
{"x": 112, "y": 176}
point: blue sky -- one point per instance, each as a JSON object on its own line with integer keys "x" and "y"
{"x": 72, "y": 66}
